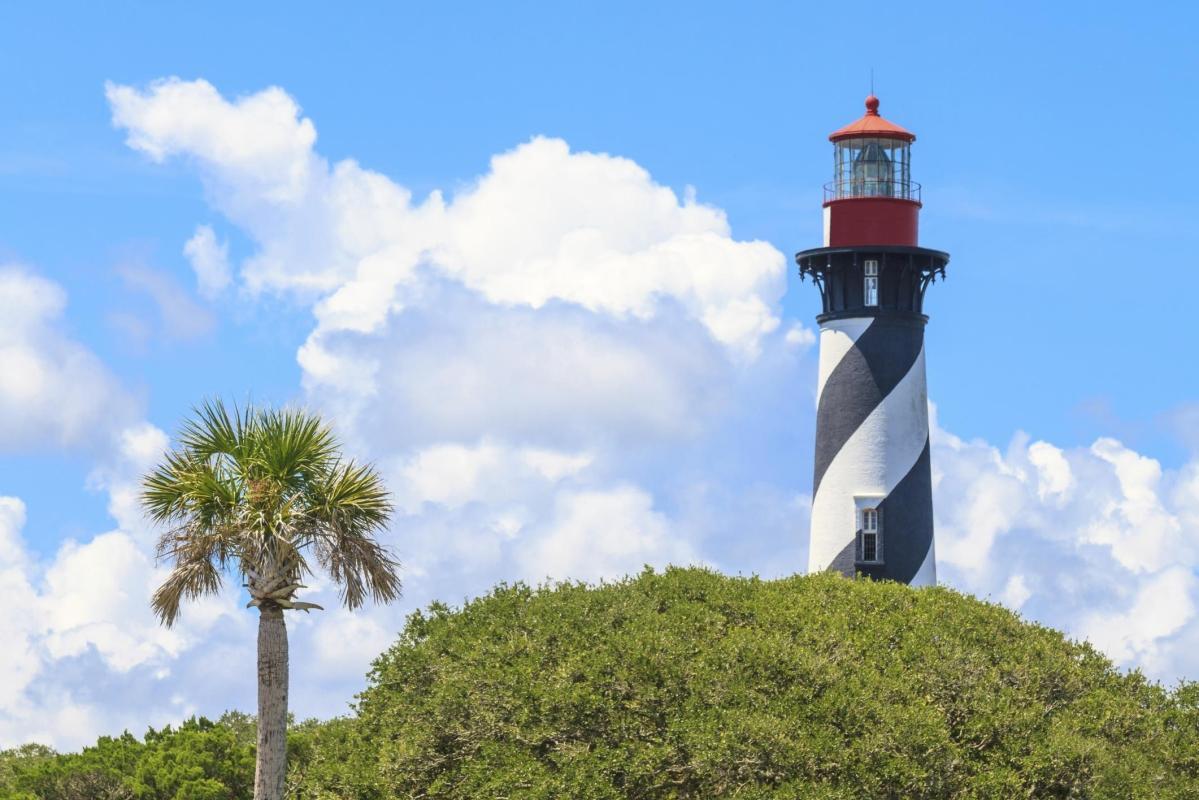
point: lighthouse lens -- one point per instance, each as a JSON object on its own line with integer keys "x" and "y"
{"x": 872, "y": 167}
{"x": 872, "y": 172}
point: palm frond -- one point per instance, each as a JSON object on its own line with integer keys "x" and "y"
{"x": 359, "y": 565}
{"x": 218, "y": 544}
{"x": 254, "y": 490}
{"x": 185, "y": 486}
{"x": 188, "y": 580}
{"x": 293, "y": 444}
{"x": 349, "y": 506}
{"x": 212, "y": 430}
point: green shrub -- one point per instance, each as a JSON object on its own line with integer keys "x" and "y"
{"x": 689, "y": 684}
{"x": 199, "y": 760}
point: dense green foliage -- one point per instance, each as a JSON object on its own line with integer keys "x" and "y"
{"x": 199, "y": 760}
{"x": 689, "y": 684}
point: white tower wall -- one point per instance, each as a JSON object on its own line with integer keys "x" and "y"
{"x": 872, "y": 451}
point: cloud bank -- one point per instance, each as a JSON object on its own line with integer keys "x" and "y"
{"x": 83, "y": 653}
{"x": 1098, "y": 541}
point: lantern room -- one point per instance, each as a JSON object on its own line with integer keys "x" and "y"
{"x": 872, "y": 199}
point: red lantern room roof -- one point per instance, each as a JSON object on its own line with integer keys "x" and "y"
{"x": 872, "y": 125}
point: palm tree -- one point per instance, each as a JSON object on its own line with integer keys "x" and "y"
{"x": 263, "y": 494}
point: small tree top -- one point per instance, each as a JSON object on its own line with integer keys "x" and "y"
{"x": 266, "y": 492}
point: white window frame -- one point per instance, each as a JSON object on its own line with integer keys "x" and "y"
{"x": 867, "y": 510}
{"x": 870, "y": 283}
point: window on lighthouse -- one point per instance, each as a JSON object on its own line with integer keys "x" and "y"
{"x": 870, "y": 534}
{"x": 870, "y": 289}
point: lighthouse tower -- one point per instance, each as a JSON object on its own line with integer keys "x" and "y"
{"x": 872, "y": 505}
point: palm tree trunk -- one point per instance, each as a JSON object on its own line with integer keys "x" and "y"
{"x": 271, "y": 770}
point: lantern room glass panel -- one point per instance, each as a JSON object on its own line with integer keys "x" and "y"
{"x": 872, "y": 167}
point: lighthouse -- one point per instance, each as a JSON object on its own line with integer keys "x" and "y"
{"x": 872, "y": 504}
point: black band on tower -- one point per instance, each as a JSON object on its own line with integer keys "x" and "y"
{"x": 866, "y": 374}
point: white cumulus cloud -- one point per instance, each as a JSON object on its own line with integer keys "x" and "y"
{"x": 54, "y": 392}
{"x": 80, "y": 619}
{"x": 543, "y": 224}
{"x": 209, "y": 259}
{"x": 1098, "y": 541}
{"x": 604, "y": 534}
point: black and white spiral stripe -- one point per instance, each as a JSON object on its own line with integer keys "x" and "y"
{"x": 872, "y": 442}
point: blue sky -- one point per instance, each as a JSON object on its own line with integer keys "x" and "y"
{"x": 1052, "y": 146}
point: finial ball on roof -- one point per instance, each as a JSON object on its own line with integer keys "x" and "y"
{"x": 871, "y": 125}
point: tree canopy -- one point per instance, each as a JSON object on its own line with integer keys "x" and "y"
{"x": 265, "y": 491}
{"x": 690, "y": 684}
{"x": 199, "y": 760}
